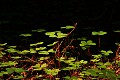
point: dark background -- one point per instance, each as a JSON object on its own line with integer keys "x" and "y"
{"x": 20, "y": 16}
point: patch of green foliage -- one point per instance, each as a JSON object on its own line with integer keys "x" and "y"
{"x": 54, "y": 64}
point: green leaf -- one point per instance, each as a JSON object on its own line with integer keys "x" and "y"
{"x": 25, "y": 35}
{"x": 39, "y": 43}
{"x": 4, "y": 72}
{"x": 36, "y": 66}
{"x": 44, "y": 65}
{"x": 33, "y": 44}
{"x": 50, "y": 33}
{"x": 52, "y": 71}
{"x": 99, "y": 33}
{"x": 12, "y": 46}
{"x": 50, "y": 45}
{"x": 74, "y": 78}
{"x": 107, "y": 64}
{"x": 102, "y": 66}
{"x": 33, "y": 51}
{"x": 97, "y": 56}
{"x": 25, "y": 51}
{"x": 11, "y": 63}
{"x": 40, "y": 48}
{"x": 67, "y": 77}
{"x": 43, "y": 52}
{"x": 1, "y": 74}
{"x": 39, "y": 30}
{"x": 11, "y": 50}
{"x": 106, "y": 53}
{"x": 51, "y": 50}
{"x": 3, "y": 44}
{"x": 94, "y": 33}
{"x": 1, "y": 55}
{"x": 83, "y": 38}
{"x": 83, "y": 62}
{"x": 19, "y": 70}
{"x": 67, "y": 27}
{"x": 61, "y": 35}
{"x": 52, "y": 36}
{"x": 10, "y": 70}
{"x": 117, "y": 31}
{"x": 18, "y": 77}
{"x": 16, "y": 57}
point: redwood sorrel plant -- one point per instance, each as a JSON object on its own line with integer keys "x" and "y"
{"x": 58, "y": 60}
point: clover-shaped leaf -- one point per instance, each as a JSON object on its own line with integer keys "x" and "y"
{"x": 99, "y": 33}
{"x": 52, "y": 71}
{"x": 106, "y": 53}
{"x": 97, "y": 56}
{"x": 61, "y": 35}
{"x": 83, "y": 62}
{"x": 87, "y": 44}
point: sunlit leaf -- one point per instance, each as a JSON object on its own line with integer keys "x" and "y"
{"x": 94, "y": 33}
{"x": 36, "y": 66}
{"x": 43, "y": 52}
{"x": 33, "y": 51}
{"x": 4, "y": 72}
{"x": 16, "y": 57}
{"x": 52, "y": 71}
{"x": 49, "y": 33}
{"x": 51, "y": 50}
{"x": 107, "y": 64}
{"x": 25, "y": 51}
{"x": 3, "y": 44}
{"x": 12, "y": 46}
{"x": 99, "y": 33}
{"x": 61, "y": 35}
{"x": 39, "y": 43}
{"x": 33, "y": 44}
{"x": 97, "y": 56}
{"x": 106, "y": 53}
{"x": 67, "y": 27}
{"x": 11, "y": 50}
{"x": 40, "y": 48}
{"x": 52, "y": 36}
{"x": 44, "y": 65}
